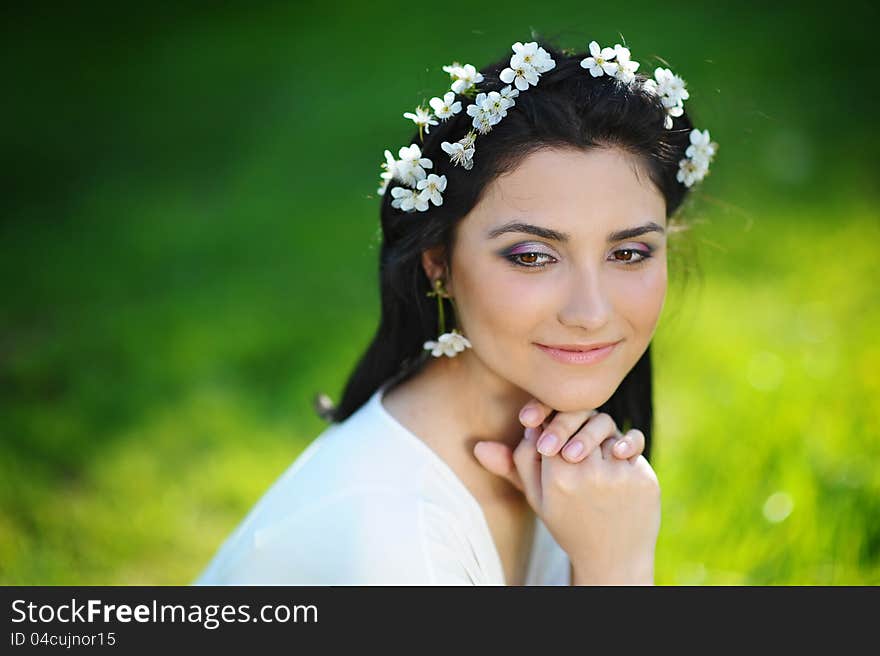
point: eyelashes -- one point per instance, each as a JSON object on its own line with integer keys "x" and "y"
{"x": 643, "y": 256}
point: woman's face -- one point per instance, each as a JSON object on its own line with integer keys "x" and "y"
{"x": 537, "y": 261}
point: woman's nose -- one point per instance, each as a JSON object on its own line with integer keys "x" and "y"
{"x": 587, "y": 304}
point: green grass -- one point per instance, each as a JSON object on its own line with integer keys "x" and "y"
{"x": 189, "y": 253}
{"x": 766, "y": 384}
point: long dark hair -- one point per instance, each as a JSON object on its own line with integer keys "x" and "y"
{"x": 569, "y": 108}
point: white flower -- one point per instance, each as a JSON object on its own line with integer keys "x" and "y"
{"x": 497, "y": 104}
{"x": 411, "y": 166}
{"x": 431, "y": 187}
{"x": 625, "y": 69}
{"x": 621, "y": 52}
{"x": 527, "y": 63}
{"x": 390, "y": 172}
{"x": 652, "y": 87}
{"x": 468, "y": 140}
{"x": 690, "y": 172}
{"x": 702, "y": 148}
{"x": 671, "y": 87}
{"x": 390, "y": 166}
{"x": 489, "y": 108}
{"x": 543, "y": 61}
{"x": 482, "y": 122}
{"x": 459, "y": 153}
{"x": 449, "y": 344}
{"x": 464, "y": 77}
{"x": 678, "y": 110}
{"x": 445, "y": 107}
{"x": 408, "y": 199}
{"x": 600, "y": 62}
{"x": 525, "y": 52}
{"x": 422, "y": 117}
{"x": 480, "y": 100}
{"x": 695, "y": 165}
{"x": 481, "y": 111}
{"x": 530, "y": 54}
{"x": 411, "y": 152}
{"x": 522, "y": 76}
{"x": 510, "y": 93}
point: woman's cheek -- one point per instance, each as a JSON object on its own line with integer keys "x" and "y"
{"x": 508, "y": 304}
{"x": 643, "y": 297}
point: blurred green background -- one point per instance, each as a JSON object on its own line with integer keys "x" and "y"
{"x": 189, "y": 252}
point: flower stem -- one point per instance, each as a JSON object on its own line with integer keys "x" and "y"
{"x": 440, "y": 311}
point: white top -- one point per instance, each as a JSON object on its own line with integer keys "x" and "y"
{"x": 369, "y": 503}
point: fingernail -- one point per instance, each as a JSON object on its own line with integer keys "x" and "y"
{"x": 527, "y": 433}
{"x": 621, "y": 446}
{"x": 573, "y": 449}
{"x": 528, "y": 415}
{"x": 547, "y": 443}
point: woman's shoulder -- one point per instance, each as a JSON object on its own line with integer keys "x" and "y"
{"x": 369, "y": 449}
{"x": 358, "y": 504}
{"x": 360, "y": 535}
{"x": 362, "y": 451}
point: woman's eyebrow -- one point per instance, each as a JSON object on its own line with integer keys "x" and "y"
{"x": 548, "y": 233}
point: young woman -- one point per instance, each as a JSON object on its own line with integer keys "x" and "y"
{"x": 497, "y": 429}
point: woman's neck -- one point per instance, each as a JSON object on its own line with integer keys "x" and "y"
{"x": 453, "y": 403}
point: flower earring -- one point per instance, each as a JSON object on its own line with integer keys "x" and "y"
{"x": 451, "y": 343}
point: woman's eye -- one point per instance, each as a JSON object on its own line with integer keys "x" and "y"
{"x": 535, "y": 260}
{"x": 529, "y": 260}
{"x": 626, "y": 255}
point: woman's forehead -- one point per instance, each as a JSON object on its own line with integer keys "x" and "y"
{"x": 570, "y": 190}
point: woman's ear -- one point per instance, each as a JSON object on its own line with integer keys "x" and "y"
{"x": 435, "y": 266}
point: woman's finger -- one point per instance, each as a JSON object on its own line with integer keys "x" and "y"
{"x": 562, "y": 427}
{"x": 607, "y": 447}
{"x": 534, "y": 413}
{"x": 498, "y": 459}
{"x": 631, "y": 445}
{"x": 591, "y": 435}
{"x": 528, "y": 465}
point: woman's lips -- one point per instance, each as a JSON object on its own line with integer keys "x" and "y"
{"x": 578, "y": 357}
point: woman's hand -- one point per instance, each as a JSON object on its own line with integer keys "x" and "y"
{"x": 601, "y": 506}
{"x": 566, "y": 426}
{"x": 563, "y": 429}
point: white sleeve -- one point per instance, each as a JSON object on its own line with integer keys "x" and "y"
{"x": 357, "y": 537}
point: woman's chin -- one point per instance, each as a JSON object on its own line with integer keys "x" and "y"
{"x": 573, "y": 398}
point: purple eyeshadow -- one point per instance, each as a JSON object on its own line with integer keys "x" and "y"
{"x": 526, "y": 248}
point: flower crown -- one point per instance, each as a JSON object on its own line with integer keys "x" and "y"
{"x": 419, "y": 188}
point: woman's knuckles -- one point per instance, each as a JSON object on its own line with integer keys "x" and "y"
{"x": 576, "y": 435}
{"x": 560, "y": 429}
{"x": 613, "y": 475}
{"x": 524, "y": 454}
{"x": 565, "y": 481}
{"x": 596, "y": 430}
